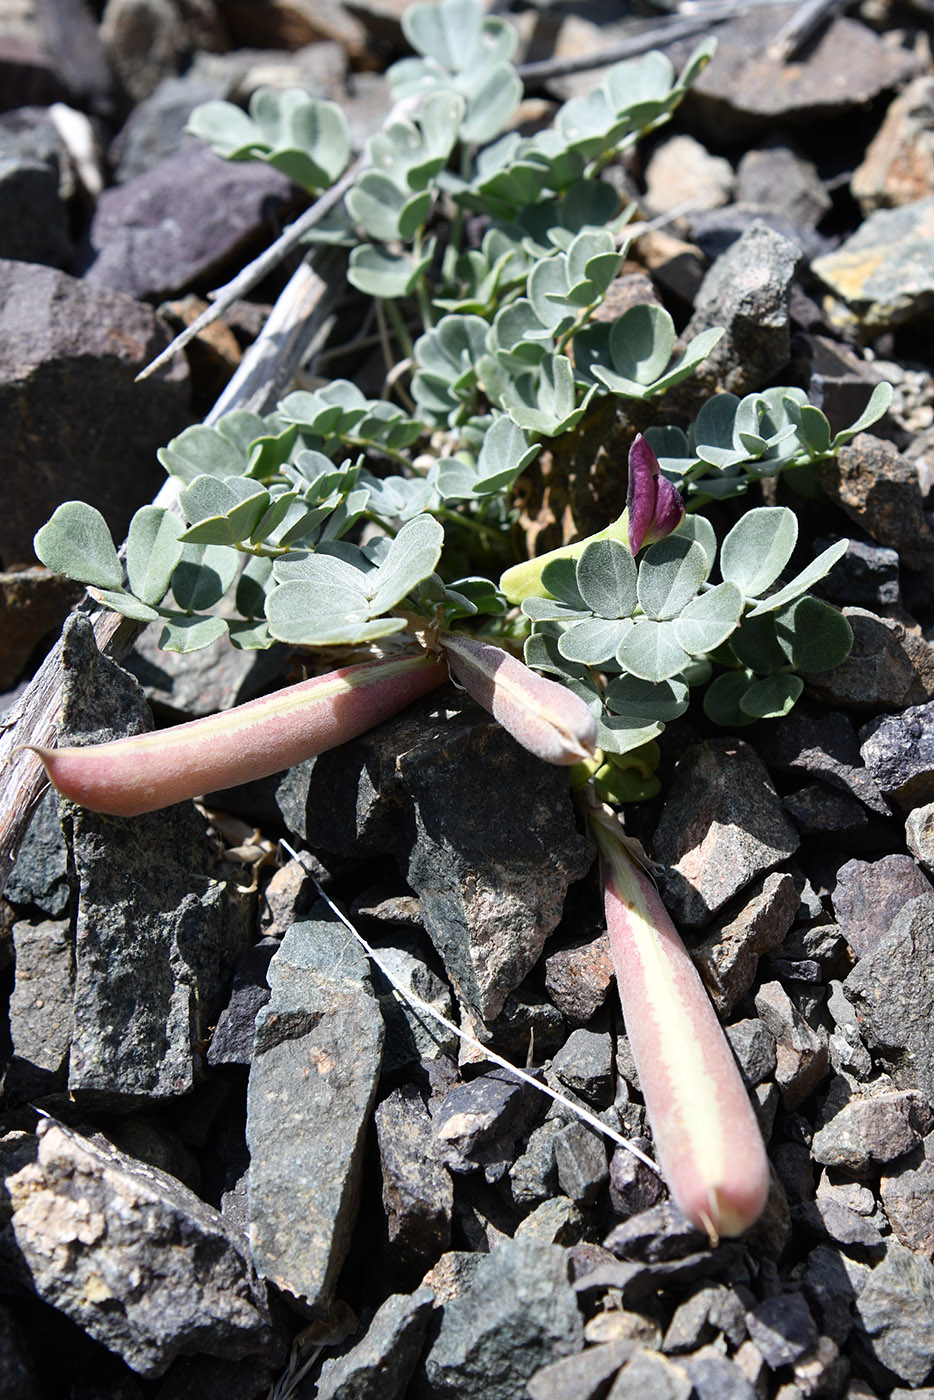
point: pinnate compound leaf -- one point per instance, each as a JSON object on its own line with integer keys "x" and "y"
{"x": 815, "y": 571}
{"x": 641, "y": 343}
{"x": 606, "y": 579}
{"x": 185, "y": 634}
{"x": 698, "y": 528}
{"x": 772, "y": 697}
{"x": 710, "y": 618}
{"x": 76, "y": 542}
{"x": 380, "y": 273}
{"x": 251, "y": 635}
{"x": 757, "y": 549}
{"x": 652, "y": 651}
{"x": 814, "y": 634}
{"x": 616, "y": 734}
{"x": 201, "y": 450}
{"x": 457, "y": 34}
{"x": 670, "y": 574}
{"x": 153, "y": 548}
{"x": 559, "y": 576}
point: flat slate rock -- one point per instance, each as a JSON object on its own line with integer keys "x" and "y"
{"x": 41, "y": 1009}
{"x": 312, "y": 1084}
{"x": 127, "y": 1252}
{"x": 888, "y": 668}
{"x": 869, "y": 894}
{"x": 69, "y": 353}
{"x": 379, "y": 1365}
{"x": 895, "y": 1313}
{"x": 181, "y": 221}
{"x": 883, "y": 275}
{"x": 879, "y": 490}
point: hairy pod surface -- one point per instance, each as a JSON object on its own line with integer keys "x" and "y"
{"x": 147, "y": 771}
{"x": 708, "y": 1141}
{"x": 541, "y": 715}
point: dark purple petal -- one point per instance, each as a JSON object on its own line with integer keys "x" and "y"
{"x": 669, "y": 510}
{"x": 641, "y": 492}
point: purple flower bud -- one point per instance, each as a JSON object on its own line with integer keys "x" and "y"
{"x": 655, "y": 507}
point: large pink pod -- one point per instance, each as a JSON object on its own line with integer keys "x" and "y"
{"x": 147, "y": 771}
{"x": 544, "y": 717}
{"x": 703, "y": 1124}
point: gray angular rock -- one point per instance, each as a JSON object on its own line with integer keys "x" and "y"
{"x": 753, "y": 1044}
{"x": 34, "y": 603}
{"x": 655, "y": 1236}
{"x": 155, "y": 128}
{"x": 892, "y": 990}
{"x": 907, "y": 1192}
{"x": 429, "y": 787}
{"x": 721, "y": 826}
{"x": 557, "y": 1221}
{"x": 312, "y": 1083}
{"x": 782, "y": 1328}
{"x": 681, "y": 170}
{"x": 860, "y": 1132}
{"x": 584, "y": 1064}
{"x": 866, "y": 574}
{"x": 832, "y": 1282}
{"x": 232, "y": 1041}
{"x": 802, "y": 1058}
{"x": 777, "y": 177}
{"x": 579, "y": 975}
{"x": 581, "y": 1377}
{"x": 879, "y": 490}
{"x": 580, "y": 1157}
{"x": 148, "y": 40}
{"x": 648, "y": 1375}
{"x": 411, "y": 1034}
{"x": 728, "y": 958}
{"x": 41, "y": 1014}
{"x": 634, "y": 1187}
{"x": 898, "y": 751}
{"x": 418, "y": 1194}
{"x": 157, "y": 926}
{"x": 919, "y": 834}
{"x": 185, "y": 685}
{"x": 897, "y": 166}
{"x": 379, "y": 1365}
{"x": 179, "y": 222}
{"x": 832, "y": 1218}
{"x": 34, "y": 227}
{"x": 127, "y": 1252}
{"x": 518, "y": 1315}
{"x": 895, "y": 1314}
{"x": 533, "y": 1176}
{"x": 747, "y": 291}
{"x": 883, "y": 274}
{"x": 66, "y": 348}
{"x": 40, "y": 875}
{"x": 711, "y": 1310}
{"x": 715, "y": 1377}
{"x": 869, "y": 894}
{"x": 888, "y": 668}
{"x": 478, "y": 1123}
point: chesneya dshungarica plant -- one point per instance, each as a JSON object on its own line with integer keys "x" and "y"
{"x": 704, "y": 1127}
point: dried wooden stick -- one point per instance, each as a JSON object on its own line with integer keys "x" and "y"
{"x": 259, "y": 381}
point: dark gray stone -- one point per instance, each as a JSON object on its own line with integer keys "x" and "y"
{"x": 312, "y": 1083}
{"x": 533, "y": 1177}
{"x": 818, "y": 811}
{"x": 837, "y": 1221}
{"x": 155, "y": 128}
{"x": 185, "y": 685}
{"x": 888, "y": 668}
{"x": 880, "y": 492}
{"x": 157, "y": 925}
{"x": 556, "y": 1221}
{"x": 40, "y": 875}
{"x": 832, "y": 1282}
{"x": 867, "y": 575}
{"x": 518, "y": 1315}
{"x": 634, "y": 1187}
{"x": 728, "y": 958}
{"x": 721, "y": 826}
{"x": 802, "y": 1058}
{"x": 68, "y": 348}
{"x": 411, "y": 1034}
{"x": 477, "y": 1124}
{"x": 579, "y": 976}
{"x": 892, "y": 990}
{"x": 782, "y": 1328}
{"x": 822, "y": 745}
{"x": 34, "y": 227}
{"x": 715, "y": 231}
{"x": 581, "y": 1377}
{"x": 715, "y": 1377}
{"x": 428, "y": 787}
{"x": 747, "y": 291}
{"x": 212, "y": 1378}
{"x": 17, "y": 1372}
{"x": 181, "y": 221}
{"x": 379, "y": 1365}
{"x": 128, "y": 1253}
{"x": 580, "y": 1157}
{"x": 232, "y": 1041}
{"x": 655, "y": 1236}
{"x": 899, "y": 753}
{"x": 753, "y": 1044}
{"x": 869, "y": 895}
{"x": 907, "y": 1192}
{"x": 418, "y": 1194}
{"x": 648, "y": 1375}
{"x": 711, "y": 1310}
{"x": 776, "y": 177}
{"x": 41, "y": 1015}
{"x": 859, "y": 1132}
{"x": 895, "y": 1314}
{"x": 584, "y": 1065}
{"x": 882, "y": 276}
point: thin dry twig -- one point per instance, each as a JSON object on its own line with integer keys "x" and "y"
{"x": 807, "y": 20}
